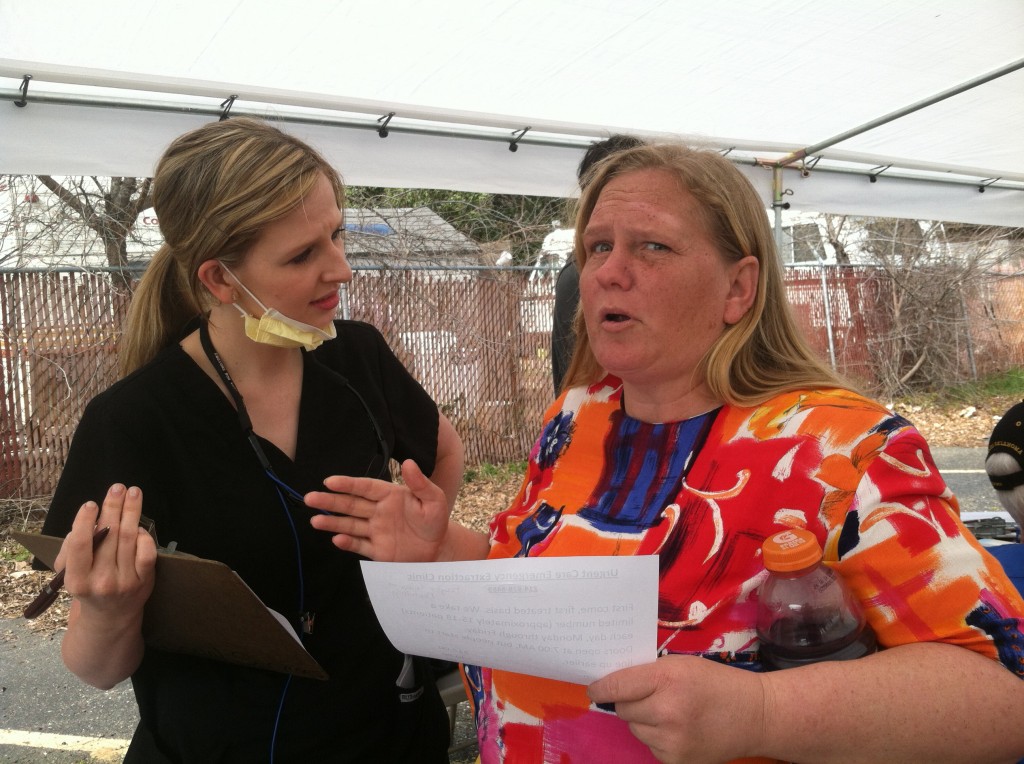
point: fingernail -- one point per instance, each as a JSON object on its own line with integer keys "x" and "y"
{"x": 117, "y": 489}
{"x": 133, "y": 493}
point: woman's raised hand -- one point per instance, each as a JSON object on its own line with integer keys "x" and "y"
{"x": 103, "y": 644}
{"x": 117, "y": 577}
{"x": 383, "y": 521}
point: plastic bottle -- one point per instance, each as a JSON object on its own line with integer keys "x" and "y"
{"x": 806, "y": 613}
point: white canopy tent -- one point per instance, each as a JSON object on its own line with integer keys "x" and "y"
{"x": 908, "y": 109}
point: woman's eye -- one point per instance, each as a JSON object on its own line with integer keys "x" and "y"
{"x": 339, "y": 233}
{"x": 600, "y": 247}
{"x": 301, "y": 257}
{"x": 655, "y": 246}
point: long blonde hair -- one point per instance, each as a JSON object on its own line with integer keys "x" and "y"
{"x": 764, "y": 353}
{"x": 216, "y": 188}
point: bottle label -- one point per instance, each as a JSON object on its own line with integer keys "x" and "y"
{"x": 788, "y": 540}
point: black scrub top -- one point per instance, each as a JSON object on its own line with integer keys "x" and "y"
{"x": 169, "y": 429}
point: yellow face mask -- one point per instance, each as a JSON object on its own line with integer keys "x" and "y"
{"x": 274, "y": 328}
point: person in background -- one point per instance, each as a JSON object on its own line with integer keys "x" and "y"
{"x": 696, "y": 422}
{"x": 1004, "y": 462}
{"x": 567, "y": 290}
{"x": 241, "y": 392}
{"x": 1004, "y": 465}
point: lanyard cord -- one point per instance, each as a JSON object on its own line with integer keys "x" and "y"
{"x": 246, "y": 422}
{"x": 243, "y": 419}
{"x": 279, "y": 486}
{"x": 243, "y": 414}
{"x": 282, "y": 488}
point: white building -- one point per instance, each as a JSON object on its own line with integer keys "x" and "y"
{"x": 38, "y": 231}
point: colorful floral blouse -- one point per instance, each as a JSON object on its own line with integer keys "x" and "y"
{"x": 703, "y": 494}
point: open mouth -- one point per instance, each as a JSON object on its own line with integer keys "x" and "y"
{"x": 615, "y": 318}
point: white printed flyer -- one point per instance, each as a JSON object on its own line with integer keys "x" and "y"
{"x": 575, "y": 619}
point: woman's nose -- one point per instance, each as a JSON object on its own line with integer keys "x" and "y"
{"x": 616, "y": 269}
{"x": 340, "y": 270}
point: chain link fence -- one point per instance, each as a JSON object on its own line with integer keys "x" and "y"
{"x": 478, "y": 339}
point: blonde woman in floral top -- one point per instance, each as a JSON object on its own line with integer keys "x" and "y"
{"x": 695, "y": 423}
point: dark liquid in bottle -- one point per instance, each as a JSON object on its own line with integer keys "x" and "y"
{"x": 794, "y": 642}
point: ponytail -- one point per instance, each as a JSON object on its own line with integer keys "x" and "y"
{"x": 162, "y": 306}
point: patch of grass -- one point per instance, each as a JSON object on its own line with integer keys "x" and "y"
{"x": 1009, "y": 384}
{"x": 494, "y": 471}
{"x": 18, "y": 553}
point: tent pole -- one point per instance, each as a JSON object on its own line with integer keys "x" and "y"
{"x": 811, "y": 150}
{"x": 777, "y": 190}
{"x": 778, "y": 206}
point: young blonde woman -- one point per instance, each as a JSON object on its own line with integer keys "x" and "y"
{"x": 241, "y": 392}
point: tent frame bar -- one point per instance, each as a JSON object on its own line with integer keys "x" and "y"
{"x": 368, "y": 123}
{"x": 778, "y": 205}
{"x": 891, "y": 116}
{"x": 483, "y": 134}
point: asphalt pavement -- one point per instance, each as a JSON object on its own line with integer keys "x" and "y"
{"x": 48, "y": 715}
{"x": 964, "y": 472}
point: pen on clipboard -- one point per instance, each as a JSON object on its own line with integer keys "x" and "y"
{"x": 48, "y": 595}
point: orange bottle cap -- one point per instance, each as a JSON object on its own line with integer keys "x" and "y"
{"x": 793, "y": 549}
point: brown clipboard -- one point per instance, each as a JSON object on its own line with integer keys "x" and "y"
{"x": 203, "y": 608}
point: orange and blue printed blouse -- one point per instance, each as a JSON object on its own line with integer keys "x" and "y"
{"x": 703, "y": 494}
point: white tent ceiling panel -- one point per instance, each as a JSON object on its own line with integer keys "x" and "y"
{"x": 763, "y": 78}
{"x": 130, "y": 147}
{"x": 970, "y": 130}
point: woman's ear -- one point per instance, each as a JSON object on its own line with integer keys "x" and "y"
{"x": 212, "y": 276}
{"x": 743, "y": 289}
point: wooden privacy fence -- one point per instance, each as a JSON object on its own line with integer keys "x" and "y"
{"x": 477, "y": 339}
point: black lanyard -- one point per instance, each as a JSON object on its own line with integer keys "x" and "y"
{"x": 243, "y": 414}
{"x": 284, "y": 491}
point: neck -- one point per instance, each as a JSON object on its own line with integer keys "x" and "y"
{"x": 244, "y": 359}
{"x": 667, "y": 405}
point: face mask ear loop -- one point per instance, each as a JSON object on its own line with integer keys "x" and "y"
{"x": 245, "y": 289}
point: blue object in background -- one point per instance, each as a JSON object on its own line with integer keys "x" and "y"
{"x": 1011, "y": 557}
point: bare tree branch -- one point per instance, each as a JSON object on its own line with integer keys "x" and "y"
{"x": 77, "y": 202}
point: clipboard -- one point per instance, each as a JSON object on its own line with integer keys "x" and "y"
{"x": 202, "y": 607}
